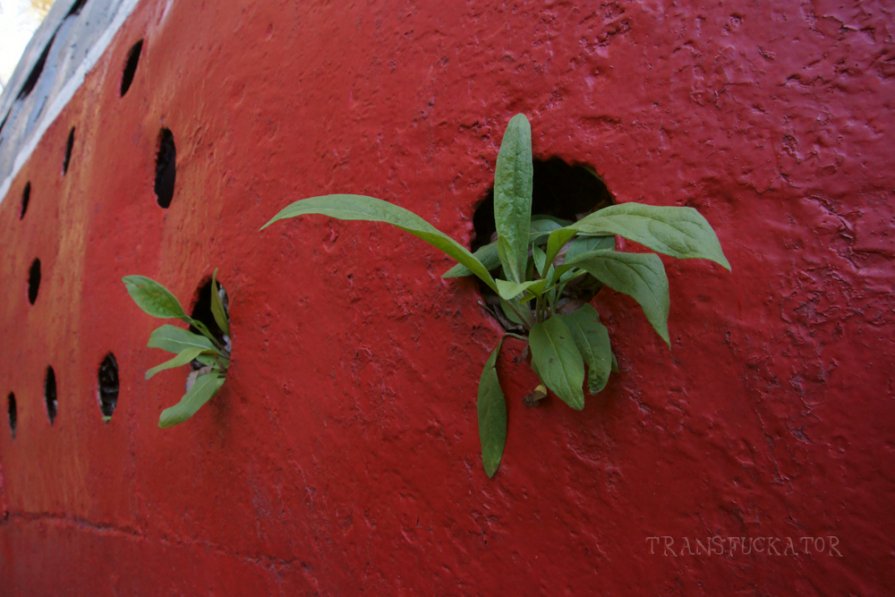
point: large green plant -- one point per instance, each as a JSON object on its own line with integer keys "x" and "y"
{"x": 532, "y": 264}
{"x": 208, "y": 355}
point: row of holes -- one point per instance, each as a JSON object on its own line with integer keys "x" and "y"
{"x": 165, "y": 158}
{"x": 107, "y": 375}
{"x": 107, "y": 393}
{"x": 165, "y": 176}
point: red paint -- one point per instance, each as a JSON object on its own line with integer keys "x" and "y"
{"x": 342, "y": 455}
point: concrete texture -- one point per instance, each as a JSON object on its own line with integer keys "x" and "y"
{"x": 342, "y": 454}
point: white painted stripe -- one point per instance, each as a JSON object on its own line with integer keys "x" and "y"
{"x": 68, "y": 91}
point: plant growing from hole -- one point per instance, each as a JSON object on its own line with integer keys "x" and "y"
{"x": 207, "y": 354}
{"x": 534, "y": 267}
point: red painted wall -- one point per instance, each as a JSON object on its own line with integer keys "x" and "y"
{"x": 342, "y": 454}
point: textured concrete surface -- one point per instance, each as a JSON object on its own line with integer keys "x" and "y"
{"x": 342, "y": 455}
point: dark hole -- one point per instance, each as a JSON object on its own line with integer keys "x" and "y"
{"x": 26, "y": 197}
{"x": 202, "y": 311}
{"x": 165, "y": 168}
{"x": 33, "y": 281}
{"x": 130, "y": 67}
{"x": 108, "y": 386}
{"x": 38, "y": 68}
{"x": 560, "y": 190}
{"x": 3, "y": 122}
{"x": 69, "y": 145}
{"x": 13, "y": 413}
{"x": 50, "y": 394}
{"x": 76, "y": 8}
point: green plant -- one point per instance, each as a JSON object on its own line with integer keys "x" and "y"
{"x": 207, "y": 354}
{"x": 536, "y": 261}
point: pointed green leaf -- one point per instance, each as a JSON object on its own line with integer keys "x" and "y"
{"x": 539, "y": 257}
{"x": 510, "y": 290}
{"x": 370, "y": 209}
{"x": 541, "y": 226}
{"x": 592, "y": 340}
{"x": 512, "y": 197}
{"x": 184, "y": 357}
{"x": 639, "y": 275}
{"x": 492, "y": 414}
{"x": 557, "y": 240}
{"x": 584, "y": 244}
{"x": 153, "y": 298}
{"x": 511, "y": 313}
{"x": 201, "y": 392}
{"x": 217, "y": 305}
{"x": 486, "y": 254}
{"x": 677, "y": 231}
{"x": 557, "y": 361}
{"x": 176, "y": 340}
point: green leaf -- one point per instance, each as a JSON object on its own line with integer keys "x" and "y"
{"x": 486, "y": 254}
{"x": 639, "y": 275}
{"x": 541, "y": 226}
{"x": 153, "y": 298}
{"x": 539, "y": 257}
{"x": 592, "y": 340}
{"x": 184, "y": 357}
{"x": 217, "y": 305}
{"x": 557, "y": 240}
{"x": 681, "y": 232}
{"x": 201, "y": 392}
{"x": 510, "y": 290}
{"x": 584, "y": 244}
{"x": 492, "y": 412}
{"x": 176, "y": 340}
{"x": 557, "y": 361}
{"x": 511, "y": 313}
{"x": 512, "y": 197}
{"x": 370, "y": 209}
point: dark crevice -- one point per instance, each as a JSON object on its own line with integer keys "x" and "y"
{"x": 130, "y": 67}
{"x": 108, "y": 386}
{"x": 69, "y": 145}
{"x": 76, "y": 8}
{"x": 33, "y": 281}
{"x": 165, "y": 168}
{"x": 202, "y": 310}
{"x": 26, "y": 198}
{"x": 50, "y": 394}
{"x": 13, "y": 411}
{"x": 558, "y": 189}
{"x": 36, "y": 70}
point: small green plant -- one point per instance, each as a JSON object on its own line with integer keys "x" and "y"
{"x": 207, "y": 355}
{"x": 532, "y": 266}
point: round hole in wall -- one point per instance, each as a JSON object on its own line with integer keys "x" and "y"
{"x": 202, "y": 310}
{"x": 130, "y": 66}
{"x": 13, "y": 411}
{"x": 69, "y": 145}
{"x": 26, "y": 197}
{"x": 50, "y": 394}
{"x": 33, "y": 281}
{"x": 561, "y": 191}
{"x": 165, "y": 168}
{"x": 76, "y": 8}
{"x": 107, "y": 391}
{"x": 36, "y": 70}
